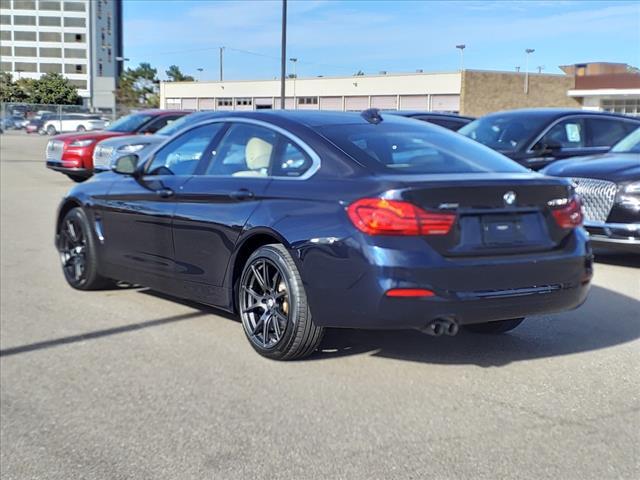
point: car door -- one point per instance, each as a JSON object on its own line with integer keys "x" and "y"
{"x": 138, "y": 212}
{"x": 215, "y": 204}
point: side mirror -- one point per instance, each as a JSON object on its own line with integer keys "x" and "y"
{"x": 127, "y": 164}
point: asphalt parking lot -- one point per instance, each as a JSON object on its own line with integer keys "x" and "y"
{"x": 131, "y": 384}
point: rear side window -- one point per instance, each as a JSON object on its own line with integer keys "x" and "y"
{"x": 605, "y": 132}
{"x": 414, "y": 148}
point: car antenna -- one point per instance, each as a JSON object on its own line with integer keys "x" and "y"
{"x": 372, "y": 115}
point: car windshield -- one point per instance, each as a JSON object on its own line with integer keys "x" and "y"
{"x": 416, "y": 149}
{"x": 130, "y": 123}
{"x": 506, "y": 133}
{"x": 629, "y": 144}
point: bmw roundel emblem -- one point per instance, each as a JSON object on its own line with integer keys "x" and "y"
{"x": 509, "y": 198}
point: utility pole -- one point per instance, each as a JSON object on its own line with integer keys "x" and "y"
{"x": 528, "y": 51}
{"x": 221, "y": 59}
{"x": 283, "y": 57}
{"x": 295, "y": 77}
{"x": 461, "y": 47}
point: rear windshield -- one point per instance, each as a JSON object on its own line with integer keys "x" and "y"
{"x": 506, "y": 133}
{"x": 416, "y": 148}
{"x": 130, "y": 123}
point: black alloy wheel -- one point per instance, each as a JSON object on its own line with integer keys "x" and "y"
{"x": 273, "y": 306}
{"x": 76, "y": 246}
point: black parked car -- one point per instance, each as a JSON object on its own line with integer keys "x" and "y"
{"x": 537, "y": 137}
{"x": 447, "y": 120}
{"x": 609, "y": 186}
{"x": 304, "y": 220}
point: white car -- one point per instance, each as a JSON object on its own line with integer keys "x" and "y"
{"x": 73, "y": 122}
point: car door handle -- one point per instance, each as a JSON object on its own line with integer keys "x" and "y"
{"x": 165, "y": 192}
{"x": 242, "y": 194}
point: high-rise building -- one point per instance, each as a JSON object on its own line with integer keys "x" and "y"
{"x": 80, "y": 39}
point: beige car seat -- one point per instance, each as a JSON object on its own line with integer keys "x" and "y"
{"x": 257, "y": 156}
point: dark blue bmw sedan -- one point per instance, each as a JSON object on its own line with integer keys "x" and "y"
{"x": 298, "y": 221}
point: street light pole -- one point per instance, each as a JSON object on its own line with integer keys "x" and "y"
{"x": 119, "y": 69}
{"x": 528, "y": 51}
{"x": 295, "y": 76}
{"x": 461, "y": 47}
{"x": 200, "y": 73}
{"x": 221, "y": 60}
{"x": 283, "y": 58}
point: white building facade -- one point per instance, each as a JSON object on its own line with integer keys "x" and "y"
{"x": 419, "y": 91}
{"x": 80, "y": 39}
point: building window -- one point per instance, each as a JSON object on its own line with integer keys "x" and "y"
{"x": 51, "y": 52}
{"x": 307, "y": 100}
{"x": 24, "y": 20}
{"x": 26, "y": 67}
{"x": 225, "y": 102}
{"x": 173, "y": 103}
{"x": 5, "y": 51}
{"x": 5, "y": 34}
{"x": 627, "y": 106}
{"x": 5, "y": 19}
{"x": 75, "y": 53}
{"x": 50, "y": 5}
{"x": 50, "y": 68}
{"x": 74, "y": 22}
{"x": 74, "y": 38}
{"x": 49, "y": 21}
{"x": 6, "y": 67}
{"x": 81, "y": 84}
{"x": 49, "y": 36}
{"x": 25, "y": 51}
{"x": 243, "y": 101}
{"x": 77, "y": 68}
{"x": 24, "y": 36}
{"x": 100, "y": 69}
{"x": 24, "y": 4}
{"x": 74, "y": 7}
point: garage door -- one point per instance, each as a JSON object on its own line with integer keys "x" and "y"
{"x": 356, "y": 104}
{"x": 189, "y": 104}
{"x": 414, "y": 102}
{"x": 263, "y": 103}
{"x": 384, "y": 102}
{"x": 445, "y": 103}
{"x": 331, "y": 103}
{"x": 207, "y": 104}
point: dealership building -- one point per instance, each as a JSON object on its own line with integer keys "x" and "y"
{"x": 468, "y": 92}
{"x": 80, "y": 39}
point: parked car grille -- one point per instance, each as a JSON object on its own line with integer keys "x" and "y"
{"x": 597, "y": 197}
{"x": 102, "y": 157}
{"x": 54, "y": 150}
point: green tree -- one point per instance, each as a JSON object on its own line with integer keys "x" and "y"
{"x": 139, "y": 87}
{"x": 175, "y": 75}
{"x": 51, "y": 88}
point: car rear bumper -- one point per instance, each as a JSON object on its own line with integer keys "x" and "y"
{"x": 617, "y": 236}
{"x": 58, "y": 167}
{"x": 471, "y": 290}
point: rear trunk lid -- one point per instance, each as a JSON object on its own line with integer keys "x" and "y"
{"x": 495, "y": 213}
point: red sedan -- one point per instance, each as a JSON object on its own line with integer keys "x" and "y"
{"x": 72, "y": 153}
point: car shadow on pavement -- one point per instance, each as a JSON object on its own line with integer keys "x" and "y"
{"x": 605, "y": 320}
{"x": 618, "y": 259}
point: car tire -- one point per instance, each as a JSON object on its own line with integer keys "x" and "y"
{"x": 78, "y": 255}
{"x": 273, "y": 306}
{"x": 76, "y": 178}
{"x": 494, "y": 328}
{"x": 51, "y": 130}
{"x": 81, "y": 128}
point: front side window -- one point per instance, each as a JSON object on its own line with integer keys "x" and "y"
{"x": 566, "y": 134}
{"x": 245, "y": 151}
{"x": 182, "y": 155}
{"x": 416, "y": 149}
{"x": 159, "y": 123}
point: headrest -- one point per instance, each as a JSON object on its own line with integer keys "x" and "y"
{"x": 258, "y": 154}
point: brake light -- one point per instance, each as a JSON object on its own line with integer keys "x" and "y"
{"x": 409, "y": 292}
{"x": 570, "y": 215}
{"x": 377, "y": 216}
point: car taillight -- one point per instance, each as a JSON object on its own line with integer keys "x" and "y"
{"x": 377, "y": 216}
{"x": 569, "y": 215}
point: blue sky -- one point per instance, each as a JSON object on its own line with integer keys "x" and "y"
{"x": 331, "y": 37}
